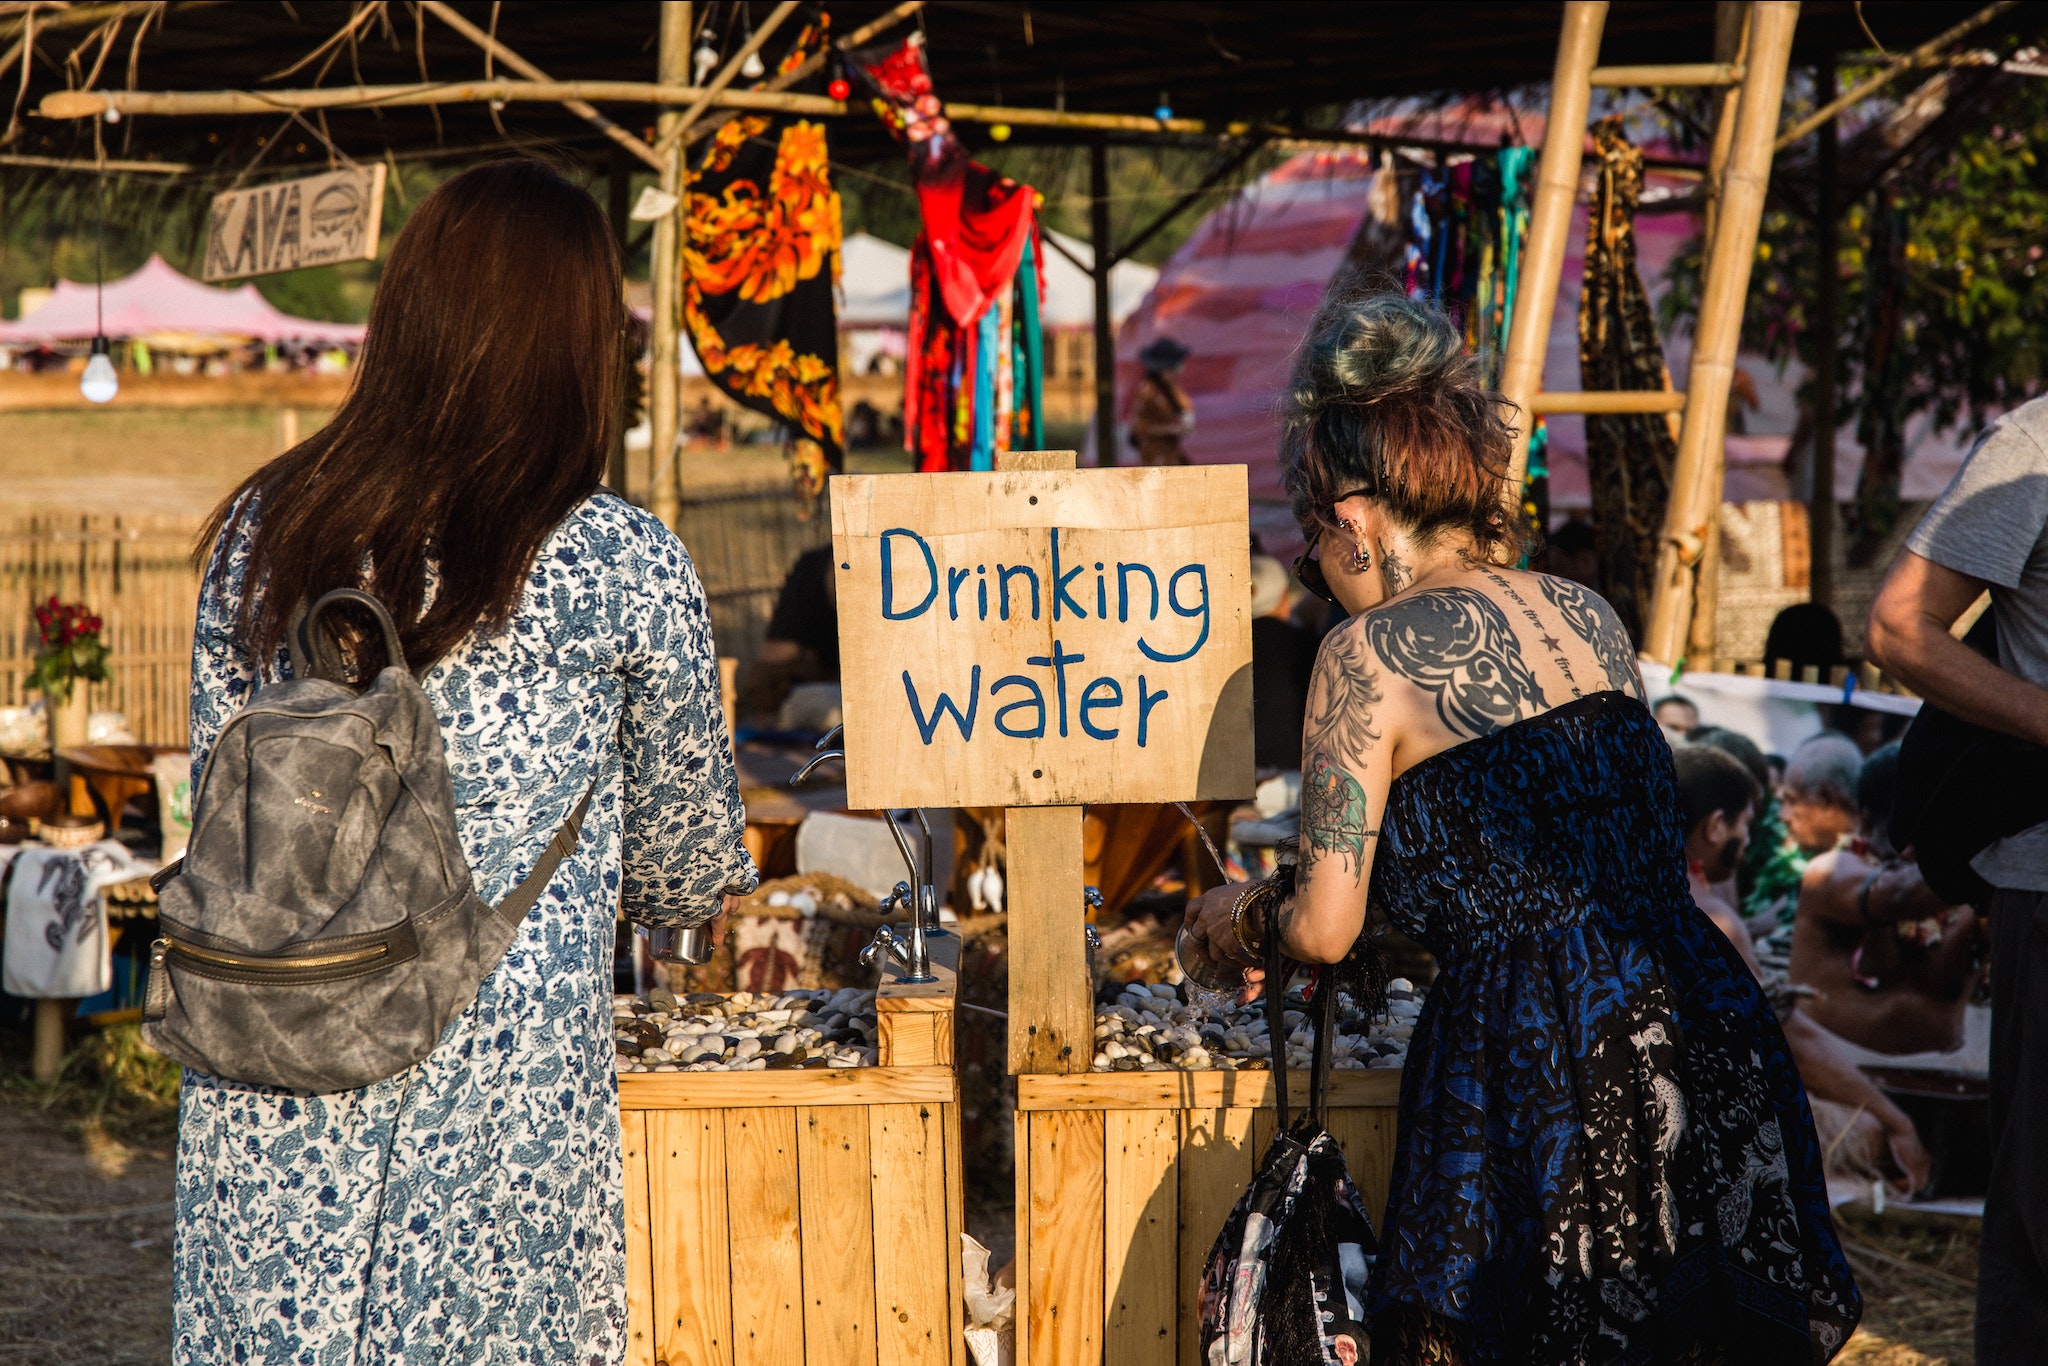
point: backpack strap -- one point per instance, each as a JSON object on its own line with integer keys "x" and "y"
{"x": 1276, "y": 1013}
{"x": 512, "y": 910}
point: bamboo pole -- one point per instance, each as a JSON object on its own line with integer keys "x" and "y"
{"x": 1099, "y": 265}
{"x": 1550, "y": 219}
{"x": 731, "y": 70}
{"x": 581, "y": 108}
{"x": 84, "y": 104}
{"x": 664, "y": 357}
{"x": 1608, "y": 401}
{"x": 95, "y": 167}
{"x": 1684, "y": 73}
{"x": 1696, "y": 481}
{"x": 1731, "y": 44}
{"x": 1869, "y": 86}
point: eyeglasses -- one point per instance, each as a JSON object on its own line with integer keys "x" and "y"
{"x": 1308, "y": 569}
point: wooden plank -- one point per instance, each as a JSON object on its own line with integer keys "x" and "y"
{"x": 1020, "y": 1149}
{"x": 1044, "y": 638}
{"x": 1193, "y": 1090}
{"x": 797, "y": 1086}
{"x": 915, "y": 1038}
{"x": 838, "y": 1234}
{"x": 1066, "y": 1234}
{"x": 692, "y": 1267}
{"x": 767, "y": 1266}
{"x": 1215, "y": 1167}
{"x": 915, "y": 1321}
{"x": 956, "y": 1225}
{"x": 1266, "y": 1123}
{"x": 1052, "y": 1011}
{"x": 1367, "y": 1137}
{"x": 639, "y": 1245}
{"x": 1140, "y": 1232}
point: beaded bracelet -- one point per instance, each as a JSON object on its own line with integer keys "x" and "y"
{"x": 1251, "y": 896}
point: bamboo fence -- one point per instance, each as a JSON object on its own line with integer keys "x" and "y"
{"x": 135, "y": 572}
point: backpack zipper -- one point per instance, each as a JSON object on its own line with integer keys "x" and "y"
{"x": 241, "y": 963}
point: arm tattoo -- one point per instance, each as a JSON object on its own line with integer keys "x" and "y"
{"x": 1456, "y": 643}
{"x": 1593, "y": 619}
{"x": 1332, "y": 815}
{"x": 1342, "y": 694}
{"x": 1394, "y": 571}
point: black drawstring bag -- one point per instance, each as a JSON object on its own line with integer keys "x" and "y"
{"x": 1285, "y": 1281}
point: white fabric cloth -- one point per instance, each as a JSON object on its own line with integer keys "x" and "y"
{"x": 56, "y": 946}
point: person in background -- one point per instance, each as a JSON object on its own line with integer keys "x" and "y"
{"x": 1776, "y": 764}
{"x": 1808, "y": 635}
{"x": 1717, "y": 800}
{"x": 1989, "y": 533}
{"x": 801, "y": 644}
{"x": 1163, "y": 414}
{"x": 1890, "y": 965}
{"x": 1283, "y": 657}
{"x": 1861, "y": 1130}
{"x": 1677, "y": 714}
{"x": 1569, "y": 554}
{"x": 1819, "y": 796}
{"x": 1766, "y": 888}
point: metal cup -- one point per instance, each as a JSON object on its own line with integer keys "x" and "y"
{"x": 689, "y": 945}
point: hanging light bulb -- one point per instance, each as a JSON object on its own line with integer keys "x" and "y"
{"x": 1164, "y": 111}
{"x": 99, "y": 383}
{"x": 707, "y": 55}
{"x": 999, "y": 132}
{"x": 751, "y": 68}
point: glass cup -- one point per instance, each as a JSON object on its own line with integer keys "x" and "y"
{"x": 1211, "y": 982}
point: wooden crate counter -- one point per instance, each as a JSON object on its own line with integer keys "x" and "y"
{"x": 1123, "y": 1183}
{"x": 805, "y": 1216}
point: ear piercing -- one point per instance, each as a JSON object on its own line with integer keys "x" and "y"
{"x": 1361, "y": 559}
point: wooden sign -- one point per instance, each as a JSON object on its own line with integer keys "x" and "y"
{"x": 293, "y": 224}
{"x": 1045, "y": 637}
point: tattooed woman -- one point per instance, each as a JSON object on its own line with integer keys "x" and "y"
{"x": 1604, "y": 1154}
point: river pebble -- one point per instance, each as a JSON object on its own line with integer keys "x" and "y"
{"x": 744, "y": 1032}
{"x": 1150, "y": 1029}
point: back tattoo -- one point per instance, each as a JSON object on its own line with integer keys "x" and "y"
{"x": 1456, "y": 644}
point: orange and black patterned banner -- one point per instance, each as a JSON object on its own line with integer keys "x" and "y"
{"x": 760, "y": 260}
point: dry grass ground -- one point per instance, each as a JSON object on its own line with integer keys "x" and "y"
{"x": 85, "y": 1219}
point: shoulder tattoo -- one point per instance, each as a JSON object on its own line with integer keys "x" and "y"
{"x": 1588, "y": 615}
{"x": 1341, "y": 695}
{"x": 1456, "y": 644}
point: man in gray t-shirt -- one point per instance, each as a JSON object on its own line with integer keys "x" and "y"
{"x": 1989, "y": 531}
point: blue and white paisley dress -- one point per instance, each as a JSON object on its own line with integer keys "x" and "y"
{"x": 469, "y": 1209}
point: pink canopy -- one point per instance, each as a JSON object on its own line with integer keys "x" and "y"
{"x": 159, "y": 298}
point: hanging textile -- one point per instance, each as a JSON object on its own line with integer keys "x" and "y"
{"x": 1629, "y": 457}
{"x": 760, "y": 261}
{"x": 1881, "y": 419}
{"x": 974, "y": 380}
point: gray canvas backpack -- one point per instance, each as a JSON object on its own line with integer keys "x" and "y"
{"x": 323, "y": 927}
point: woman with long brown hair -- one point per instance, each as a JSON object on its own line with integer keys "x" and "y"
{"x": 469, "y": 1209}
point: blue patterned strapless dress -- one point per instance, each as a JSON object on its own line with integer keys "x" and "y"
{"x": 1605, "y": 1152}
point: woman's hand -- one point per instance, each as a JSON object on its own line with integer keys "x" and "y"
{"x": 722, "y": 922}
{"x": 1208, "y": 919}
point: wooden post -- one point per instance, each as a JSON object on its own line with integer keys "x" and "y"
{"x": 1550, "y": 219}
{"x": 1052, "y": 1009}
{"x": 665, "y": 373}
{"x": 1827, "y": 332}
{"x": 1105, "y": 336}
{"x": 618, "y": 184}
{"x": 1696, "y": 481}
{"x": 48, "y": 1058}
{"x": 1731, "y": 37}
